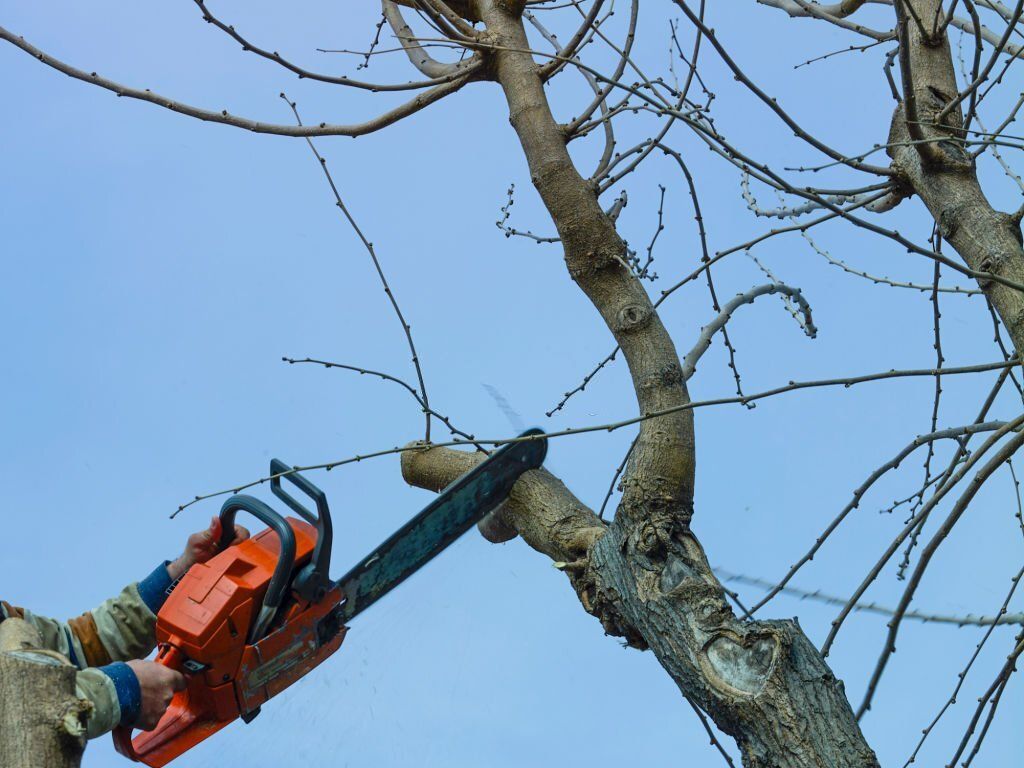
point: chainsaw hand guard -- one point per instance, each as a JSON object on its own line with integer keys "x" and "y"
{"x": 285, "y": 562}
{"x": 313, "y": 581}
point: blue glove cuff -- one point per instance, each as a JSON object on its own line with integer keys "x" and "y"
{"x": 129, "y": 694}
{"x": 154, "y": 588}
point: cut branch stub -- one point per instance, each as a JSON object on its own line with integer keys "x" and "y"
{"x": 540, "y": 508}
{"x": 41, "y": 717}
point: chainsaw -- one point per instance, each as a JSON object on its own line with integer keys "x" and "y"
{"x": 260, "y": 615}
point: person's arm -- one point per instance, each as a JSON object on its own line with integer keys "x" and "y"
{"x": 100, "y": 641}
{"x": 107, "y": 643}
{"x": 122, "y": 628}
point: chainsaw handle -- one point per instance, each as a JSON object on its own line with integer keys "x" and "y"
{"x": 313, "y": 582}
{"x": 278, "y": 470}
{"x": 282, "y": 571}
{"x": 172, "y": 658}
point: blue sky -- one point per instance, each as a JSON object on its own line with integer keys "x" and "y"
{"x": 156, "y": 269}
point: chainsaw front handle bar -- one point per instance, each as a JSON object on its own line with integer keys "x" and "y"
{"x": 282, "y": 571}
{"x": 313, "y": 582}
{"x": 279, "y": 470}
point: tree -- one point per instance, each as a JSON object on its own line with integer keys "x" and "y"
{"x": 644, "y": 574}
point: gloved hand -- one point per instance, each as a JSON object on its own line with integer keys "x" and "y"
{"x": 201, "y": 546}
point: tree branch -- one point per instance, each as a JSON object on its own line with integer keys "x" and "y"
{"x": 417, "y": 54}
{"x": 661, "y": 472}
{"x": 946, "y": 180}
{"x": 424, "y": 99}
{"x": 646, "y": 577}
{"x": 450, "y": 72}
{"x": 540, "y": 508}
{"x": 747, "y": 297}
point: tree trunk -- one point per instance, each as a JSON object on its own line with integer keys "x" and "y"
{"x": 645, "y": 576}
{"x": 42, "y": 720}
{"x": 942, "y": 173}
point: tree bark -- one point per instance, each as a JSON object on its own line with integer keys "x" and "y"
{"x": 942, "y": 173}
{"x": 42, "y": 720}
{"x": 645, "y": 576}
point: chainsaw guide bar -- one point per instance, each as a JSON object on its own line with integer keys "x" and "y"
{"x": 460, "y": 506}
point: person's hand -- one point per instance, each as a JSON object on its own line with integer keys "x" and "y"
{"x": 201, "y": 546}
{"x": 158, "y": 685}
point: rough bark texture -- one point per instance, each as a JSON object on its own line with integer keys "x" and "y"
{"x": 41, "y": 718}
{"x": 943, "y": 174}
{"x": 645, "y": 576}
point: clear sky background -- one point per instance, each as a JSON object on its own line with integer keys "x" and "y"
{"x": 156, "y": 269}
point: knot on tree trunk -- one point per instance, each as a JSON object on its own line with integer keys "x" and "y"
{"x": 654, "y": 582}
{"x": 632, "y": 318}
{"x": 939, "y": 145}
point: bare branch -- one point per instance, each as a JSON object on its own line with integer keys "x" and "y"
{"x": 417, "y": 54}
{"x": 997, "y": 460}
{"x": 772, "y": 103}
{"x": 464, "y": 8}
{"x": 390, "y": 117}
{"x": 991, "y": 697}
{"x": 926, "y": 617}
{"x": 962, "y": 676}
{"x": 388, "y": 377}
{"x": 452, "y": 72}
{"x": 747, "y": 297}
{"x": 858, "y": 495}
{"x": 793, "y": 386}
{"x": 406, "y": 328}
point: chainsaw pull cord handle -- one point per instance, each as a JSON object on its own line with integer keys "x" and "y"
{"x": 170, "y": 657}
{"x": 314, "y": 580}
{"x": 282, "y": 571}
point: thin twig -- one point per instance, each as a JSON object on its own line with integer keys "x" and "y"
{"x": 793, "y": 386}
{"x": 406, "y": 328}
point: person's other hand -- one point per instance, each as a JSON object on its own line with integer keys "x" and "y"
{"x": 201, "y": 546}
{"x": 158, "y": 685}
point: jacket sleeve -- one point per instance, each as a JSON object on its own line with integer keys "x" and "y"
{"x": 120, "y": 629}
{"x": 95, "y": 686}
{"x": 99, "y": 642}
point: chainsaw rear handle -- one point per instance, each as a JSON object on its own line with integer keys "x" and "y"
{"x": 313, "y": 582}
{"x": 282, "y": 571}
{"x": 172, "y": 658}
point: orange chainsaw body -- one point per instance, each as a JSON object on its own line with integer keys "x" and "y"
{"x": 261, "y": 614}
{"x": 203, "y": 629}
